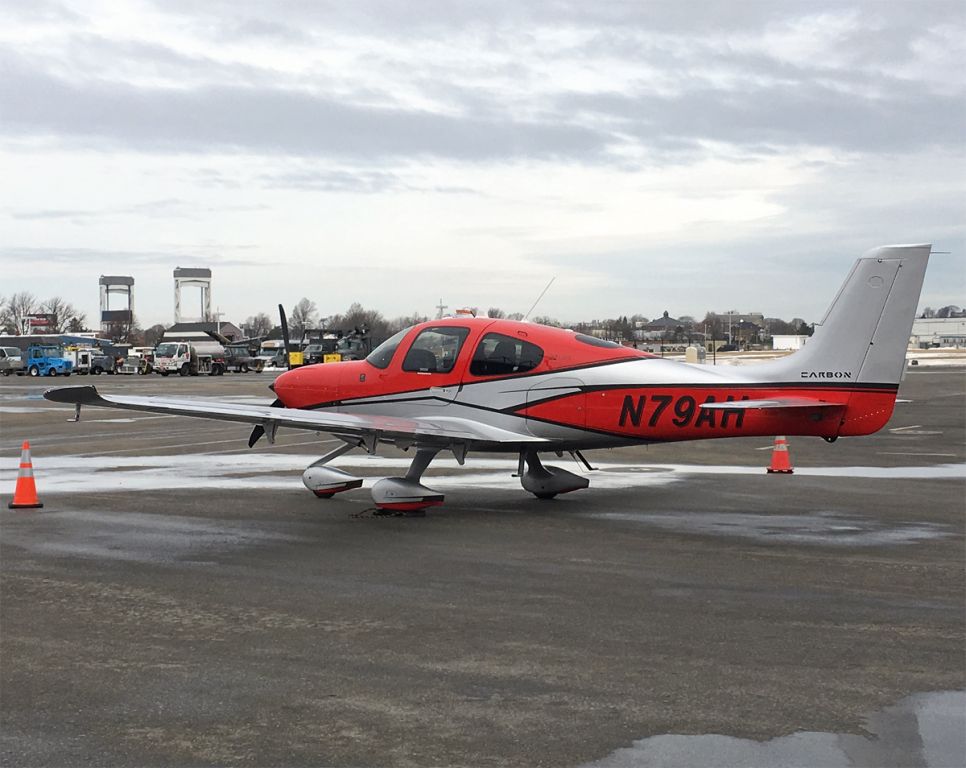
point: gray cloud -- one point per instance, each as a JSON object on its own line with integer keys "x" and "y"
{"x": 805, "y": 114}
{"x": 351, "y": 181}
{"x": 391, "y": 18}
{"x": 157, "y": 209}
{"x": 265, "y": 119}
{"x": 123, "y": 259}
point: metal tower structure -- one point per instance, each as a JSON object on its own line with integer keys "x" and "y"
{"x": 188, "y": 277}
{"x": 117, "y": 285}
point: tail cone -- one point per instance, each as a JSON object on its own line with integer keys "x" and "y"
{"x": 25, "y": 494}
{"x": 780, "y": 461}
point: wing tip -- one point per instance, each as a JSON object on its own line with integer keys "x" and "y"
{"x": 84, "y": 393}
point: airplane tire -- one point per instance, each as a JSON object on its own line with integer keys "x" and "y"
{"x": 544, "y": 496}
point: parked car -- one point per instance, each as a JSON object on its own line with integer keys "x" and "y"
{"x": 239, "y": 358}
{"x": 11, "y": 360}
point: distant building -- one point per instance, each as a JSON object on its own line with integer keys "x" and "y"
{"x": 664, "y": 327}
{"x": 938, "y": 332}
{"x": 788, "y": 341}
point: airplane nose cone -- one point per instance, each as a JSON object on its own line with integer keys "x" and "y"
{"x": 306, "y": 386}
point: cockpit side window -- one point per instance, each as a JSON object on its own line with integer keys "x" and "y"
{"x": 435, "y": 349}
{"x": 499, "y": 355}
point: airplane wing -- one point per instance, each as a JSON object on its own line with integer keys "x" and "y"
{"x": 429, "y": 430}
{"x": 774, "y": 402}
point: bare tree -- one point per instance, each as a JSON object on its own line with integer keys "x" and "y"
{"x": 62, "y": 314}
{"x": 357, "y": 317}
{"x": 15, "y": 311}
{"x": 546, "y": 320}
{"x": 496, "y": 313}
{"x": 153, "y": 335}
{"x": 123, "y": 331}
{"x": 258, "y": 325}
{"x": 304, "y": 316}
{"x": 399, "y": 323}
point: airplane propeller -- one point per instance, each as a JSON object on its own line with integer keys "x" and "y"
{"x": 285, "y": 339}
{"x": 259, "y": 430}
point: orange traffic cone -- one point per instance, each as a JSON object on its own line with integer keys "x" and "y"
{"x": 25, "y": 495}
{"x": 780, "y": 461}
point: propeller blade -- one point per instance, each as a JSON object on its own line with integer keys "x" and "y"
{"x": 258, "y": 430}
{"x": 281, "y": 314}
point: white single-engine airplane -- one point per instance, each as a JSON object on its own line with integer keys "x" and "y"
{"x": 483, "y": 385}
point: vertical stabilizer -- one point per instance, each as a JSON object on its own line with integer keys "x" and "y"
{"x": 865, "y": 333}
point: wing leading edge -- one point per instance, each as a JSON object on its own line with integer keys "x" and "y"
{"x": 441, "y": 430}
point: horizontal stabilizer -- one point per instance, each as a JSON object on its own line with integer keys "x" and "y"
{"x": 775, "y": 402}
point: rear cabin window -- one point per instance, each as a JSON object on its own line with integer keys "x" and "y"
{"x": 593, "y": 341}
{"x": 435, "y": 350}
{"x": 499, "y": 355}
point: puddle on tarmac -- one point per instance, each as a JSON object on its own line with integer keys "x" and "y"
{"x": 20, "y": 409}
{"x": 137, "y": 536}
{"x": 823, "y": 528}
{"x": 925, "y": 730}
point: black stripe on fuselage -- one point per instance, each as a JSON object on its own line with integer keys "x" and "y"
{"x": 885, "y": 389}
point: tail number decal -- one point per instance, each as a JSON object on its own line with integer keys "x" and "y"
{"x": 684, "y": 411}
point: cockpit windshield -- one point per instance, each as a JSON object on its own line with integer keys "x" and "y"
{"x": 381, "y": 356}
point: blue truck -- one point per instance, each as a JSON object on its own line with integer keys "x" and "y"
{"x": 46, "y": 360}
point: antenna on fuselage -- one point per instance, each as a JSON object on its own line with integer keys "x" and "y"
{"x": 527, "y": 315}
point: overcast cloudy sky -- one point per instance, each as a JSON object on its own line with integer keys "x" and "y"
{"x": 686, "y": 156}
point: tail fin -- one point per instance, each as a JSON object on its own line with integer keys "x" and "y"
{"x": 865, "y": 333}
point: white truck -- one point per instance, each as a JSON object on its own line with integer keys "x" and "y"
{"x": 272, "y": 352}
{"x": 82, "y": 358}
{"x": 189, "y": 359}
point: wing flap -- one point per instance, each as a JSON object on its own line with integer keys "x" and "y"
{"x": 437, "y": 429}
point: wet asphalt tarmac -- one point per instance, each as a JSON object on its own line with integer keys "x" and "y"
{"x": 181, "y": 600}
